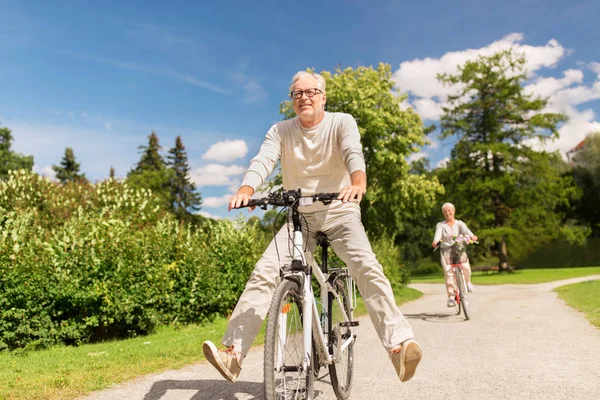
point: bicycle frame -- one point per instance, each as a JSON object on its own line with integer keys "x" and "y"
{"x": 304, "y": 266}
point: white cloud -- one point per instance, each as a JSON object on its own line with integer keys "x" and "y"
{"x": 154, "y": 70}
{"x": 252, "y": 90}
{"x": 209, "y": 215}
{"x": 95, "y": 149}
{"x": 580, "y": 123}
{"x": 216, "y": 174}
{"x": 427, "y": 95}
{"x": 442, "y": 163}
{"x": 428, "y": 109}
{"x": 419, "y": 77}
{"x": 45, "y": 171}
{"x": 216, "y": 202}
{"x": 225, "y": 151}
{"x": 416, "y": 156}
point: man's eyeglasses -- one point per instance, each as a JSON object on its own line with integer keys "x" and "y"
{"x": 297, "y": 94}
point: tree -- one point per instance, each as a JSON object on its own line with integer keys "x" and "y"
{"x": 152, "y": 173}
{"x": 184, "y": 197}
{"x": 111, "y": 174}
{"x": 586, "y": 173}
{"x": 9, "y": 160}
{"x": 68, "y": 171}
{"x": 389, "y": 135}
{"x": 495, "y": 177}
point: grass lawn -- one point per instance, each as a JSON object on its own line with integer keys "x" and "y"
{"x": 519, "y": 276}
{"x": 69, "y": 372}
{"x": 585, "y": 297}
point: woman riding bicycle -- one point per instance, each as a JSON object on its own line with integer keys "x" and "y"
{"x": 318, "y": 151}
{"x": 446, "y": 231}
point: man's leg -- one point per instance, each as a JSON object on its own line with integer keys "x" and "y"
{"x": 250, "y": 310}
{"x": 253, "y": 305}
{"x": 349, "y": 241}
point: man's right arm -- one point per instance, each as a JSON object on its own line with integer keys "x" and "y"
{"x": 260, "y": 168}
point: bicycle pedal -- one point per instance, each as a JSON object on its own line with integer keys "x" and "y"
{"x": 348, "y": 324}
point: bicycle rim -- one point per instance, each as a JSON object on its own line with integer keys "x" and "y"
{"x": 285, "y": 378}
{"x": 463, "y": 294}
{"x": 341, "y": 372}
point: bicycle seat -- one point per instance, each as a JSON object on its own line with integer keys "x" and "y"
{"x": 322, "y": 238}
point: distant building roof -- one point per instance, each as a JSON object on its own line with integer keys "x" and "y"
{"x": 579, "y": 146}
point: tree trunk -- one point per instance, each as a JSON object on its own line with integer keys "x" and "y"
{"x": 502, "y": 256}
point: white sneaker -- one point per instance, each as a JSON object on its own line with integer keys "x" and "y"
{"x": 470, "y": 287}
{"x": 451, "y": 302}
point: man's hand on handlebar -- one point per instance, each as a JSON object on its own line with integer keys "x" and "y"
{"x": 352, "y": 192}
{"x": 241, "y": 198}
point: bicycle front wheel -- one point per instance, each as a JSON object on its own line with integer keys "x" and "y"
{"x": 340, "y": 314}
{"x": 284, "y": 373}
{"x": 462, "y": 290}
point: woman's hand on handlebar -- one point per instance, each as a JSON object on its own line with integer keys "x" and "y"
{"x": 241, "y": 198}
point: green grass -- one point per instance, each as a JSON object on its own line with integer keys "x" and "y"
{"x": 69, "y": 372}
{"x": 517, "y": 277}
{"x": 585, "y": 297}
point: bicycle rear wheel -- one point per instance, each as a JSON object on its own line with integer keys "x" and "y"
{"x": 341, "y": 371}
{"x": 462, "y": 290}
{"x": 285, "y": 377}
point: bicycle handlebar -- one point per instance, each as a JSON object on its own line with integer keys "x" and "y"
{"x": 290, "y": 198}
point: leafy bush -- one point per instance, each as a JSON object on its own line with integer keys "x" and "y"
{"x": 82, "y": 263}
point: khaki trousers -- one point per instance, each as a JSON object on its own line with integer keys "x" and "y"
{"x": 349, "y": 241}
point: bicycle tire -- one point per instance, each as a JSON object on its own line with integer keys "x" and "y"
{"x": 340, "y": 372}
{"x": 283, "y": 373}
{"x": 462, "y": 290}
{"x": 457, "y": 305}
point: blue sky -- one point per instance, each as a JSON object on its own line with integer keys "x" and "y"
{"x": 101, "y": 76}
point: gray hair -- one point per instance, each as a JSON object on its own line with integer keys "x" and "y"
{"x": 448, "y": 205}
{"x": 304, "y": 74}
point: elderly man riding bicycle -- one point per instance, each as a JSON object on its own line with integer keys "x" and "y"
{"x": 319, "y": 151}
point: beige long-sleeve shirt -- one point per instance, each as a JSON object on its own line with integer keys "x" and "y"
{"x": 316, "y": 160}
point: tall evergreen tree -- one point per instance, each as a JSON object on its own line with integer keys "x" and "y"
{"x": 68, "y": 171}
{"x": 111, "y": 174}
{"x": 151, "y": 159}
{"x": 9, "y": 160}
{"x": 151, "y": 172}
{"x": 184, "y": 197}
{"x": 507, "y": 190}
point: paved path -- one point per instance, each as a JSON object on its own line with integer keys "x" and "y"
{"x": 522, "y": 342}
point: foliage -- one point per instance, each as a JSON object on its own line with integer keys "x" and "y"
{"x": 151, "y": 172}
{"x": 185, "y": 200}
{"x": 510, "y": 193}
{"x": 9, "y": 160}
{"x": 83, "y": 263}
{"x": 562, "y": 254}
{"x": 68, "y": 170}
{"x": 586, "y": 174}
{"x": 389, "y": 135}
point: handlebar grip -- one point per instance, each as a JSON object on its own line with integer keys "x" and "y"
{"x": 257, "y": 202}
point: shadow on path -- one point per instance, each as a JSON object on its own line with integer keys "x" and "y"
{"x": 207, "y": 389}
{"x": 211, "y": 389}
{"x": 437, "y": 317}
